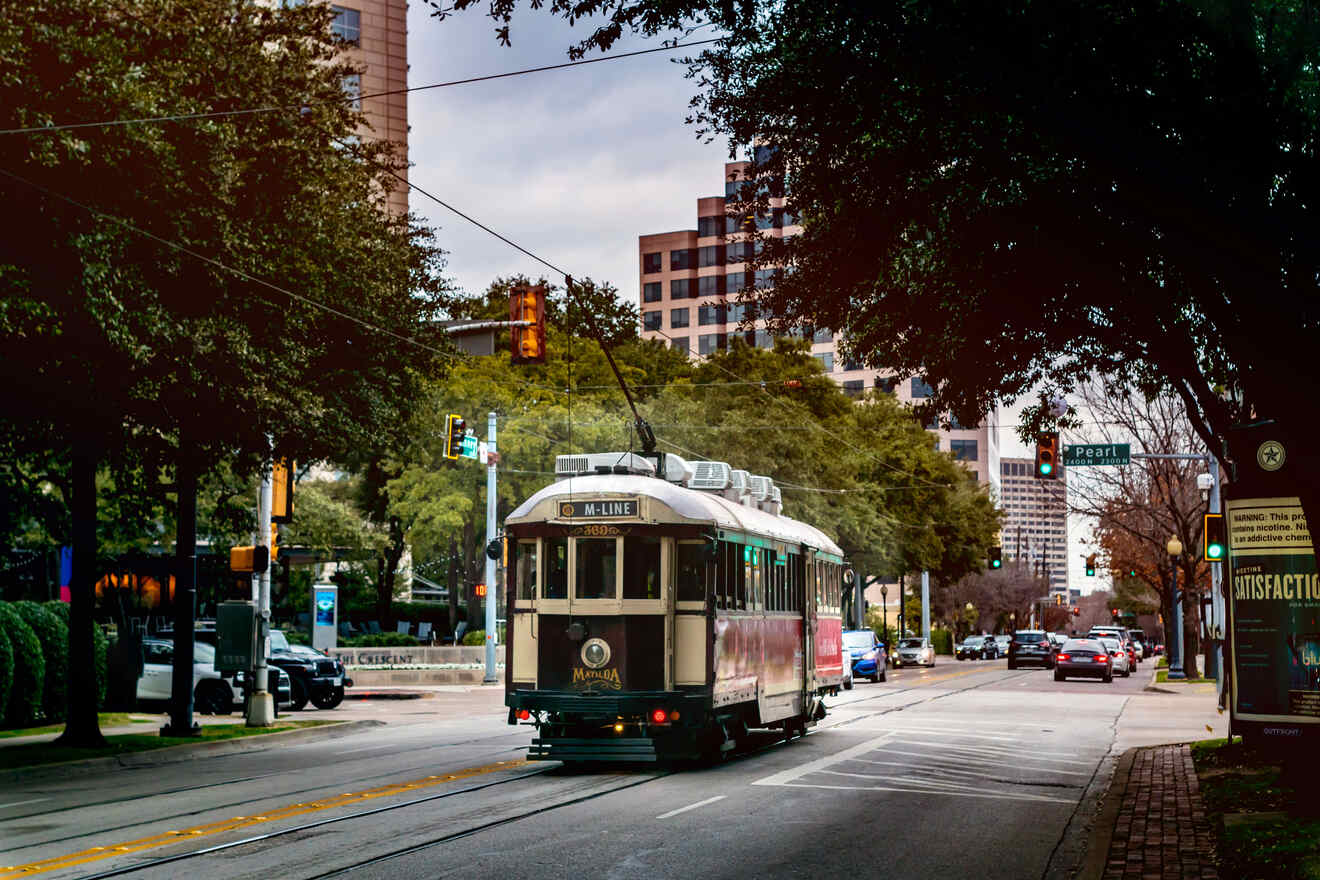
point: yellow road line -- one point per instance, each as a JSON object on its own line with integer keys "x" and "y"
{"x": 235, "y": 823}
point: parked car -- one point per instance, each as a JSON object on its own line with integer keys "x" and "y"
{"x": 990, "y": 649}
{"x": 867, "y": 653}
{"x": 1119, "y": 657}
{"x": 1030, "y": 646}
{"x": 314, "y": 675}
{"x": 971, "y": 648}
{"x": 914, "y": 652}
{"x": 1083, "y": 658}
{"x": 1003, "y": 641}
{"x": 212, "y": 693}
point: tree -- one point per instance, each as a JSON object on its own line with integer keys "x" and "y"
{"x": 184, "y": 293}
{"x": 1028, "y": 196}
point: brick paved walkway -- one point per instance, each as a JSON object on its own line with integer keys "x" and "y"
{"x": 1161, "y": 832}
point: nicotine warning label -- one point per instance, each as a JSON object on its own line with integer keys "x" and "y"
{"x": 1268, "y": 524}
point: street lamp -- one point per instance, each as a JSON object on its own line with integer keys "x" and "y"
{"x": 884, "y": 614}
{"x": 1175, "y": 548}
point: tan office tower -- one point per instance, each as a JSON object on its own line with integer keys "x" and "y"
{"x": 376, "y": 32}
{"x": 689, "y": 283}
{"x": 1036, "y": 519}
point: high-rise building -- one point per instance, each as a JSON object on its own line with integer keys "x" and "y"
{"x": 689, "y": 290}
{"x": 376, "y": 33}
{"x": 1036, "y": 519}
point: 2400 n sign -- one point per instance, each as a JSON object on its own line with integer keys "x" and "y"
{"x": 598, "y": 509}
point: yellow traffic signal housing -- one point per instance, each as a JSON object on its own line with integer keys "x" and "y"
{"x": 252, "y": 560}
{"x": 1047, "y": 455}
{"x": 527, "y": 314}
{"x": 281, "y": 495}
{"x": 455, "y": 431}
{"x": 1215, "y": 534}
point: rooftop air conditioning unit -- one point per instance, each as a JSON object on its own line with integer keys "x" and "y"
{"x": 603, "y": 463}
{"x": 677, "y": 469}
{"x": 737, "y": 485}
{"x": 774, "y": 504}
{"x": 759, "y": 487}
{"x": 712, "y": 476}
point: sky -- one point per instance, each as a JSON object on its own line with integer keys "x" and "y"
{"x": 573, "y": 164}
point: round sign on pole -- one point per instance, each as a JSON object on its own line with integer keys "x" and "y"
{"x": 1271, "y": 455}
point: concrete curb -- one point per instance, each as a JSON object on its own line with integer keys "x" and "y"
{"x": 1102, "y": 830}
{"x": 1154, "y": 674}
{"x": 186, "y": 752}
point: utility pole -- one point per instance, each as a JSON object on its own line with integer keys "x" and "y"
{"x": 261, "y": 706}
{"x": 492, "y": 534}
{"x": 925, "y": 605}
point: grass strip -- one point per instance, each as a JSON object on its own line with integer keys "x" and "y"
{"x": 33, "y": 754}
{"x": 1162, "y": 677}
{"x": 104, "y": 719}
{"x": 1262, "y": 811}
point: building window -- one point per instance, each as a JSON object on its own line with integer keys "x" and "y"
{"x": 963, "y": 450}
{"x": 822, "y": 336}
{"x": 707, "y": 226}
{"x": 685, "y": 258}
{"x": 736, "y": 312}
{"x": 763, "y": 339}
{"x": 765, "y": 278}
{"x": 920, "y": 388}
{"x": 738, "y": 251}
{"x": 650, "y": 320}
{"x": 347, "y": 25}
{"x": 680, "y": 343}
{"x": 852, "y": 364}
{"x": 710, "y": 255}
{"x": 680, "y": 288}
{"x": 738, "y": 190}
{"x": 734, "y": 281}
{"x": 651, "y": 292}
{"x": 678, "y": 318}
{"x": 352, "y": 86}
{"x": 709, "y": 343}
{"x": 712, "y": 314}
{"x": 827, "y": 360}
{"x": 854, "y": 387}
{"x": 710, "y": 285}
{"x": 650, "y": 263}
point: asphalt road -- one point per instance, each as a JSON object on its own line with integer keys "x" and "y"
{"x": 962, "y": 766}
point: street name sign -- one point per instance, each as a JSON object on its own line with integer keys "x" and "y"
{"x": 1096, "y": 453}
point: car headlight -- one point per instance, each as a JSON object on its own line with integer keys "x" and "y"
{"x": 869, "y": 655}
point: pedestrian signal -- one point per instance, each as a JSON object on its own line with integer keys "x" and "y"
{"x": 1216, "y": 537}
{"x": 1047, "y": 455}
{"x": 527, "y": 315}
{"x": 249, "y": 560}
{"x": 480, "y": 590}
{"x": 455, "y": 431}
{"x": 996, "y": 557}
{"x": 1090, "y": 565}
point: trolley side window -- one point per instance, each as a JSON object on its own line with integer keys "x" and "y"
{"x": 525, "y": 569}
{"x": 641, "y": 568}
{"x": 597, "y": 562}
{"x": 691, "y": 560}
{"x": 556, "y": 568}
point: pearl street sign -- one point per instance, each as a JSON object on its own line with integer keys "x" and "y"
{"x": 1096, "y": 453}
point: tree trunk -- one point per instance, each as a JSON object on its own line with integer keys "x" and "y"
{"x": 1191, "y": 634}
{"x": 185, "y": 595}
{"x": 387, "y": 570}
{"x": 81, "y": 727}
{"x": 454, "y": 583}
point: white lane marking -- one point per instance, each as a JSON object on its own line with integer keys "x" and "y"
{"x": 972, "y": 774}
{"x": 996, "y": 754}
{"x": 21, "y": 803}
{"x": 1005, "y": 796}
{"x": 710, "y": 800}
{"x": 822, "y": 763}
{"x": 964, "y": 760}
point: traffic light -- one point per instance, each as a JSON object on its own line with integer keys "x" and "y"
{"x": 527, "y": 336}
{"x": 1090, "y": 565}
{"x": 1216, "y": 537}
{"x": 996, "y": 557}
{"x": 281, "y": 496}
{"x": 251, "y": 560}
{"x": 1113, "y": 612}
{"x": 1076, "y": 612}
{"x": 1047, "y": 455}
{"x": 455, "y": 431}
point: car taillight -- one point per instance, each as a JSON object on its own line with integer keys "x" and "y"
{"x": 523, "y": 714}
{"x": 1064, "y": 657}
{"x": 1101, "y": 658}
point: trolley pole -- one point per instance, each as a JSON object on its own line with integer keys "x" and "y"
{"x": 492, "y": 532}
{"x": 925, "y": 605}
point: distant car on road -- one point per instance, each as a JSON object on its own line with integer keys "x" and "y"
{"x": 990, "y": 649}
{"x": 867, "y": 653}
{"x": 971, "y": 648}
{"x": 1030, "y": 646}
{"x": 1003, "y": 641}
{"x": 1121, "y": 659}
{"x": 1083, "y": 658}
{"x": 914, "y": 652}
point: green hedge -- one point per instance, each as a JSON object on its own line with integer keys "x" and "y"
{"x": 100, "y": 648}
{"x": 942, "y": 640}
{"x": 474, "y": 638}
{"x": 24, "y": 706}
{"x": 379, "y": 640}
{"x": 54, "y": 638}
{"x": 6, "y": 670}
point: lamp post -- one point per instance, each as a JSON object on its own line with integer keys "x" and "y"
{"x": 884, "y": 614}
{"x": 1175, "y": 548}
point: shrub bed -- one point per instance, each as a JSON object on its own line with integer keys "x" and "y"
{"x": 54, "y": 638}
{"x": 24, "y": 706}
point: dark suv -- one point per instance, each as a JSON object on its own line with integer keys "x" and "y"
{"x": 313, "y": 675}
{"x": 1031, "y": 646}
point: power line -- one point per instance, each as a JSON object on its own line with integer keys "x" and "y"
{"x": 250, "y": 111}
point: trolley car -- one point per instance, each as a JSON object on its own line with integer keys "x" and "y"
{"x": 662, "y": 608}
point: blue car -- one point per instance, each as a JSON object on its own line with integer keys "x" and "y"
{"x": 867, "y": 652}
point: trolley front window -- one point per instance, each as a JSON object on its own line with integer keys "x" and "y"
{"x": 526, "y": 569}
{"x": 691, "y": 560}
{"x": 641, "y": 568}
{"x": 597, "y": 562}
{"x": 556, "y": 568}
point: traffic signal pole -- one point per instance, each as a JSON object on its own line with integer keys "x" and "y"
{"x": 260, "y": 705}
{"x": 492, "y": 534}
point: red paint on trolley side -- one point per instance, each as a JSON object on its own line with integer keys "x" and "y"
{"x": 829, "y": 647}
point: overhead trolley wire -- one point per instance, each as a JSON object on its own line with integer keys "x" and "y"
{"x": 250, "y": 111}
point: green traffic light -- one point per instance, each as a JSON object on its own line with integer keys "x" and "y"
{"x": 996, "y": 563}
{"x": 1046, "y": 467}
{"x": 1214, "y": 551}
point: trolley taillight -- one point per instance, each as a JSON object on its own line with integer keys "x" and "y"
{"x": 659, "y": 716}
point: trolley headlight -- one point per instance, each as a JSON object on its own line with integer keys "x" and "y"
{"x": 596, "y": 653}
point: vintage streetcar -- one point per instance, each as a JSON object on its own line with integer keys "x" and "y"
{"x": 662, "y": 608}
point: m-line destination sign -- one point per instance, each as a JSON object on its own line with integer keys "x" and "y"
{"x": 1096, "y": 453}
{"x": 598, "y": 509}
